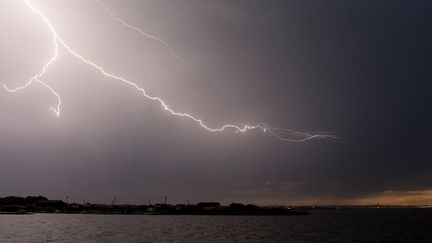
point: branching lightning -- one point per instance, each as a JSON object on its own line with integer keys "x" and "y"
{"x": 280, "y": 133}
{"x": 121, "y": 21}
{"x": 36, "y": 77}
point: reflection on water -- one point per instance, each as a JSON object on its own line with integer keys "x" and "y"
{"x": 360, "y": 225}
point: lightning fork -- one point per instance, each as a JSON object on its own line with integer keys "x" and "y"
{"x": 137, "y": 29}
{"x": 37, "y": 77}
{"x": 280, "y": 133}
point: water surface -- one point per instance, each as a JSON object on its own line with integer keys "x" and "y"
{"x": 360, "y": 225}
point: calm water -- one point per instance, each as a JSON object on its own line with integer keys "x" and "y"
{"x": 365, "y": 225}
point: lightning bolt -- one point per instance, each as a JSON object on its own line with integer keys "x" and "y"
{"x": 36, "y": 77}
{"x": 121, "y": 21}
{"x": 280, "y": 133}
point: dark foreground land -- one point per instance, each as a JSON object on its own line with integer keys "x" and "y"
{"x": 40, "y": 204}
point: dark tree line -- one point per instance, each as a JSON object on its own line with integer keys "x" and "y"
{"x": 23, "y": 201}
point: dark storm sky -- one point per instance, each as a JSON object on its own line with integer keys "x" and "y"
{"x": 360, "y": 69}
